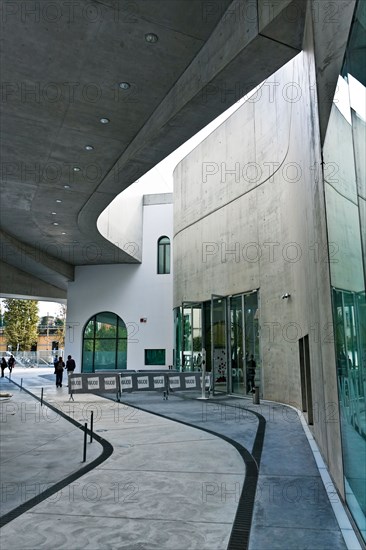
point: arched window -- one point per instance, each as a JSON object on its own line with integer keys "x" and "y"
{"x": 104, "y": 343}
{"x": 163, "y": 255}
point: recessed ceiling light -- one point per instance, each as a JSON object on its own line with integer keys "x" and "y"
{"x": 53, "y": 213}
{"x": 89, "y": 147}
{"x": 63, "y": 233}
{"x": 77, "y": 169}
{"x": 55, "y": 223}
{"x": 104, "y": 120}
{"x": 151, "y": 38}
{"x": 58, "y": 200}
{"x": 124, "y": 85}
{"x": 66, "y": 186}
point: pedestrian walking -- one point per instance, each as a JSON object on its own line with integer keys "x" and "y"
{"x": 251, "y": 366}
{"x": 3, "y": 365}
{"x": 70, "y": 367}
{"x": 11, "y": 362}
{"x": 59, "y": 370}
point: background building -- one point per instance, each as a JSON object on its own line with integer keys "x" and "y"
{"x": 119, "y": 316}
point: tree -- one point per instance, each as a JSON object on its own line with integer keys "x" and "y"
{"x": 21, "y": 321}
{"x": 60, "y": 324}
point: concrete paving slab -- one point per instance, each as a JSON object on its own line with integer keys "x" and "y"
{"x": 287, "y": 469}
{"x": 92, "y": 533}
{"x": 173, "y": 496}
{"x": 32, "y": 451}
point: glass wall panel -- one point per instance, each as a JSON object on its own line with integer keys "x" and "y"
{"x": 219, "y": 343}
{"x": 105, "y": 354}
{"x": 122, "y": 354}
{"x": 206, "y": 314}
{"x": 345, "y": 193}
{"x": 89, "y": 329}
{"x": 88, "y": 354}
{"x": 238, "y": 380}
{"x": 251, "y": 339}
{"x": 106, "y": 325}
{"x": 122, "y": 330}
{"x": 192, "y": 336}
{"x": 187, "y": 339}
{"x": 178, "y": 338}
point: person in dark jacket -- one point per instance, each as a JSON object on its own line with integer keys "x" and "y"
{"x": 251, "y": 365}
{"x": 11, "y": 362}
{"x": 70, "y": 367}
{"x": 4, "y": 365}
{"x": 59, "y": 370}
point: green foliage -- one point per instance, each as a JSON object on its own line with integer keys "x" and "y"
{"x": 197, "y": 343}
{"x": 21, "y": 321}
{"x": 60, "y": 323}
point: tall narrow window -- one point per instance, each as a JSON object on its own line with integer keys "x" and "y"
{"x": 163, "y": 255}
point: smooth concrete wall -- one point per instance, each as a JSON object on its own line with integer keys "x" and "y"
{"x": 121, "y": 222}
{"x": 131, "y": 291}
{"x": 249, "y": 214}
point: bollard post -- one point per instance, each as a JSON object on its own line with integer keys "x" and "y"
{"x": 21, "y": 384}
{"x": 91, "y": 426}
{"x": 41, "y": 397}
{"x": 256, "y": 395}
{"x": 85, "y": 438}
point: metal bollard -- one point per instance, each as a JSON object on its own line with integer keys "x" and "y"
{"x": 85, "y": 438}
{"x": 91, "y": 426}
{"x": 41, "y": 397}
{"x": 256, "y": 395}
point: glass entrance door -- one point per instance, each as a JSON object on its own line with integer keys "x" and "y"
{"x": 236, "y": 348}
{"x": 219, "y": 343}
{"x": 192, "y": 343}
{"x": 243, "y": 343}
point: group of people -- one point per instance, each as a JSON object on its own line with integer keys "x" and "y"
{"x": 7, "y": 364}
{"x": 60, "y": 366}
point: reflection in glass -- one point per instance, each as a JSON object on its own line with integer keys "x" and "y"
{"x": 219, "y": 343}
{"x": 102, "y": 348}
{"x": 238, "y": 378}
{"x": 178, "y": 338}
{"x": 192, "y": 337}
{"x": 345, "y": 194}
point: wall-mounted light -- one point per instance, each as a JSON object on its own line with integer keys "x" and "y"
{"x": 286, "y": 296}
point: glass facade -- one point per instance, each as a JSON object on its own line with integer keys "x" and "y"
{"x": 227, "y": 328}
{"x": 104, "y": 343}
{"x": 345, "y": 194}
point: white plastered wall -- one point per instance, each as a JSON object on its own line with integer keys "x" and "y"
{"x": 133, "y": 292}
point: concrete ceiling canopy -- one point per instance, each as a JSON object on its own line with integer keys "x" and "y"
{"x": 158, "y": 70}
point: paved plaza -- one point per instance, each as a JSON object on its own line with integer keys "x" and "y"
{"x": 171, "y": 474}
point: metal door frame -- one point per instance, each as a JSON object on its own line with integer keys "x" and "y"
{"x": 225, "y": 298}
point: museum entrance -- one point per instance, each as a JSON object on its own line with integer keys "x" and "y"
{"x": 227, "y": 328}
